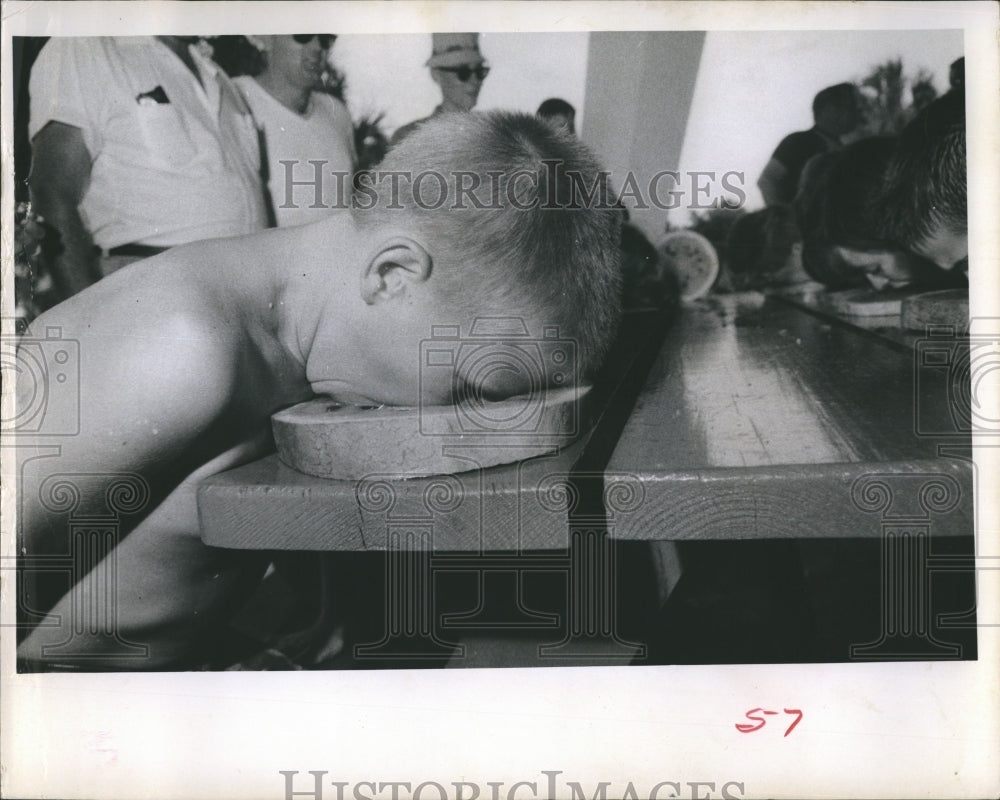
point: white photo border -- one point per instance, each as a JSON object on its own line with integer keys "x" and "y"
{"x": 871, "y": 730}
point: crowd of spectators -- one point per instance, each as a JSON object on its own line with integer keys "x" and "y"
{"x": 884, "y": 211}
{"x": 193, "y": 138}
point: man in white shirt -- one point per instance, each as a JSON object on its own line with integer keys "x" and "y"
{"x": 138, "y": 144}
{"x": 308, "y": 133}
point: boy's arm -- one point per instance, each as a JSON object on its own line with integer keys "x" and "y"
{"x": 146, "y": 395}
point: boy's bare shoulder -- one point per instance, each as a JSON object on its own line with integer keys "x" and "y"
{"x": 152, "y": 346}
{"x": 149, "y": 305}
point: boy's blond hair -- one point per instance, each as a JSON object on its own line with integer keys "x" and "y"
{"x": 521, "y": 219}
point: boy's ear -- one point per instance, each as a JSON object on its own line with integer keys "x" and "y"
{"x": 397, "y": 263}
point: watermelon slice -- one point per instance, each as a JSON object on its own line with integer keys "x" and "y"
{"x": 693, "y": 259}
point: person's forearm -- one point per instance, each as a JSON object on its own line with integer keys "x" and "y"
{"x": 68, "y": 247}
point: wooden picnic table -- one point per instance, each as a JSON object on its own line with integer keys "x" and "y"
{"x": 761, "y": 417}
{"x": 773, "y": 417}
{"x": 756, "y": 417}
{"x": 765, "y": 417}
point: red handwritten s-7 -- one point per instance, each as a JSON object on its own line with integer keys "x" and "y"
{"x": 758, "y": 716}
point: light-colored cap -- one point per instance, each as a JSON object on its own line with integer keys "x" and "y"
{"x": 455, "y": 49}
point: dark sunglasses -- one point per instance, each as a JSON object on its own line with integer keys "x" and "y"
{"x": 464, "y": 72}
{"x": 325, "y": 39}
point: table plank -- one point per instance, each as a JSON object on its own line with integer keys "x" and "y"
{"x": 761, "y": 419}
{"x": 268, "y": 505}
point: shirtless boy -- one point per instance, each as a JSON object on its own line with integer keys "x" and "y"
{"x": 184, "y": 357}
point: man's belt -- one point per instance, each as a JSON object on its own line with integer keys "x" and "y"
{"x": 140, "y": 250}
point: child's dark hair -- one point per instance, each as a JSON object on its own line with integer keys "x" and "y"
{"x": 925, "y": 186}
{"x": 833, "y": 208}
{"x": 555, "y": 107}
{"x": 512, "y": 230}
{"x": 858, "y": 199}
{"x": 850, "y": 188}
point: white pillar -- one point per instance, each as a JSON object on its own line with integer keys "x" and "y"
{"x": 639, "y": 90}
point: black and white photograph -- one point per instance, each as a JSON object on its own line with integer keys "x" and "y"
{"x": 500, "y": 400}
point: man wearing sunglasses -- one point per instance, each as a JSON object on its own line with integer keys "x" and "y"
{"x": 459, "y": 69}
{"x": 308, "y": 137}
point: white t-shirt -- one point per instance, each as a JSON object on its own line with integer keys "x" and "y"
{"x": 172, "y": 162}
{"x": 301, "y": 191}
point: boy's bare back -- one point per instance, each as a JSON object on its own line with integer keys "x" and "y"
{"x": 178, "y": 377}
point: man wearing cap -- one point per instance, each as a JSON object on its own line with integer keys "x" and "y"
{"x": 459, "y": 69}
